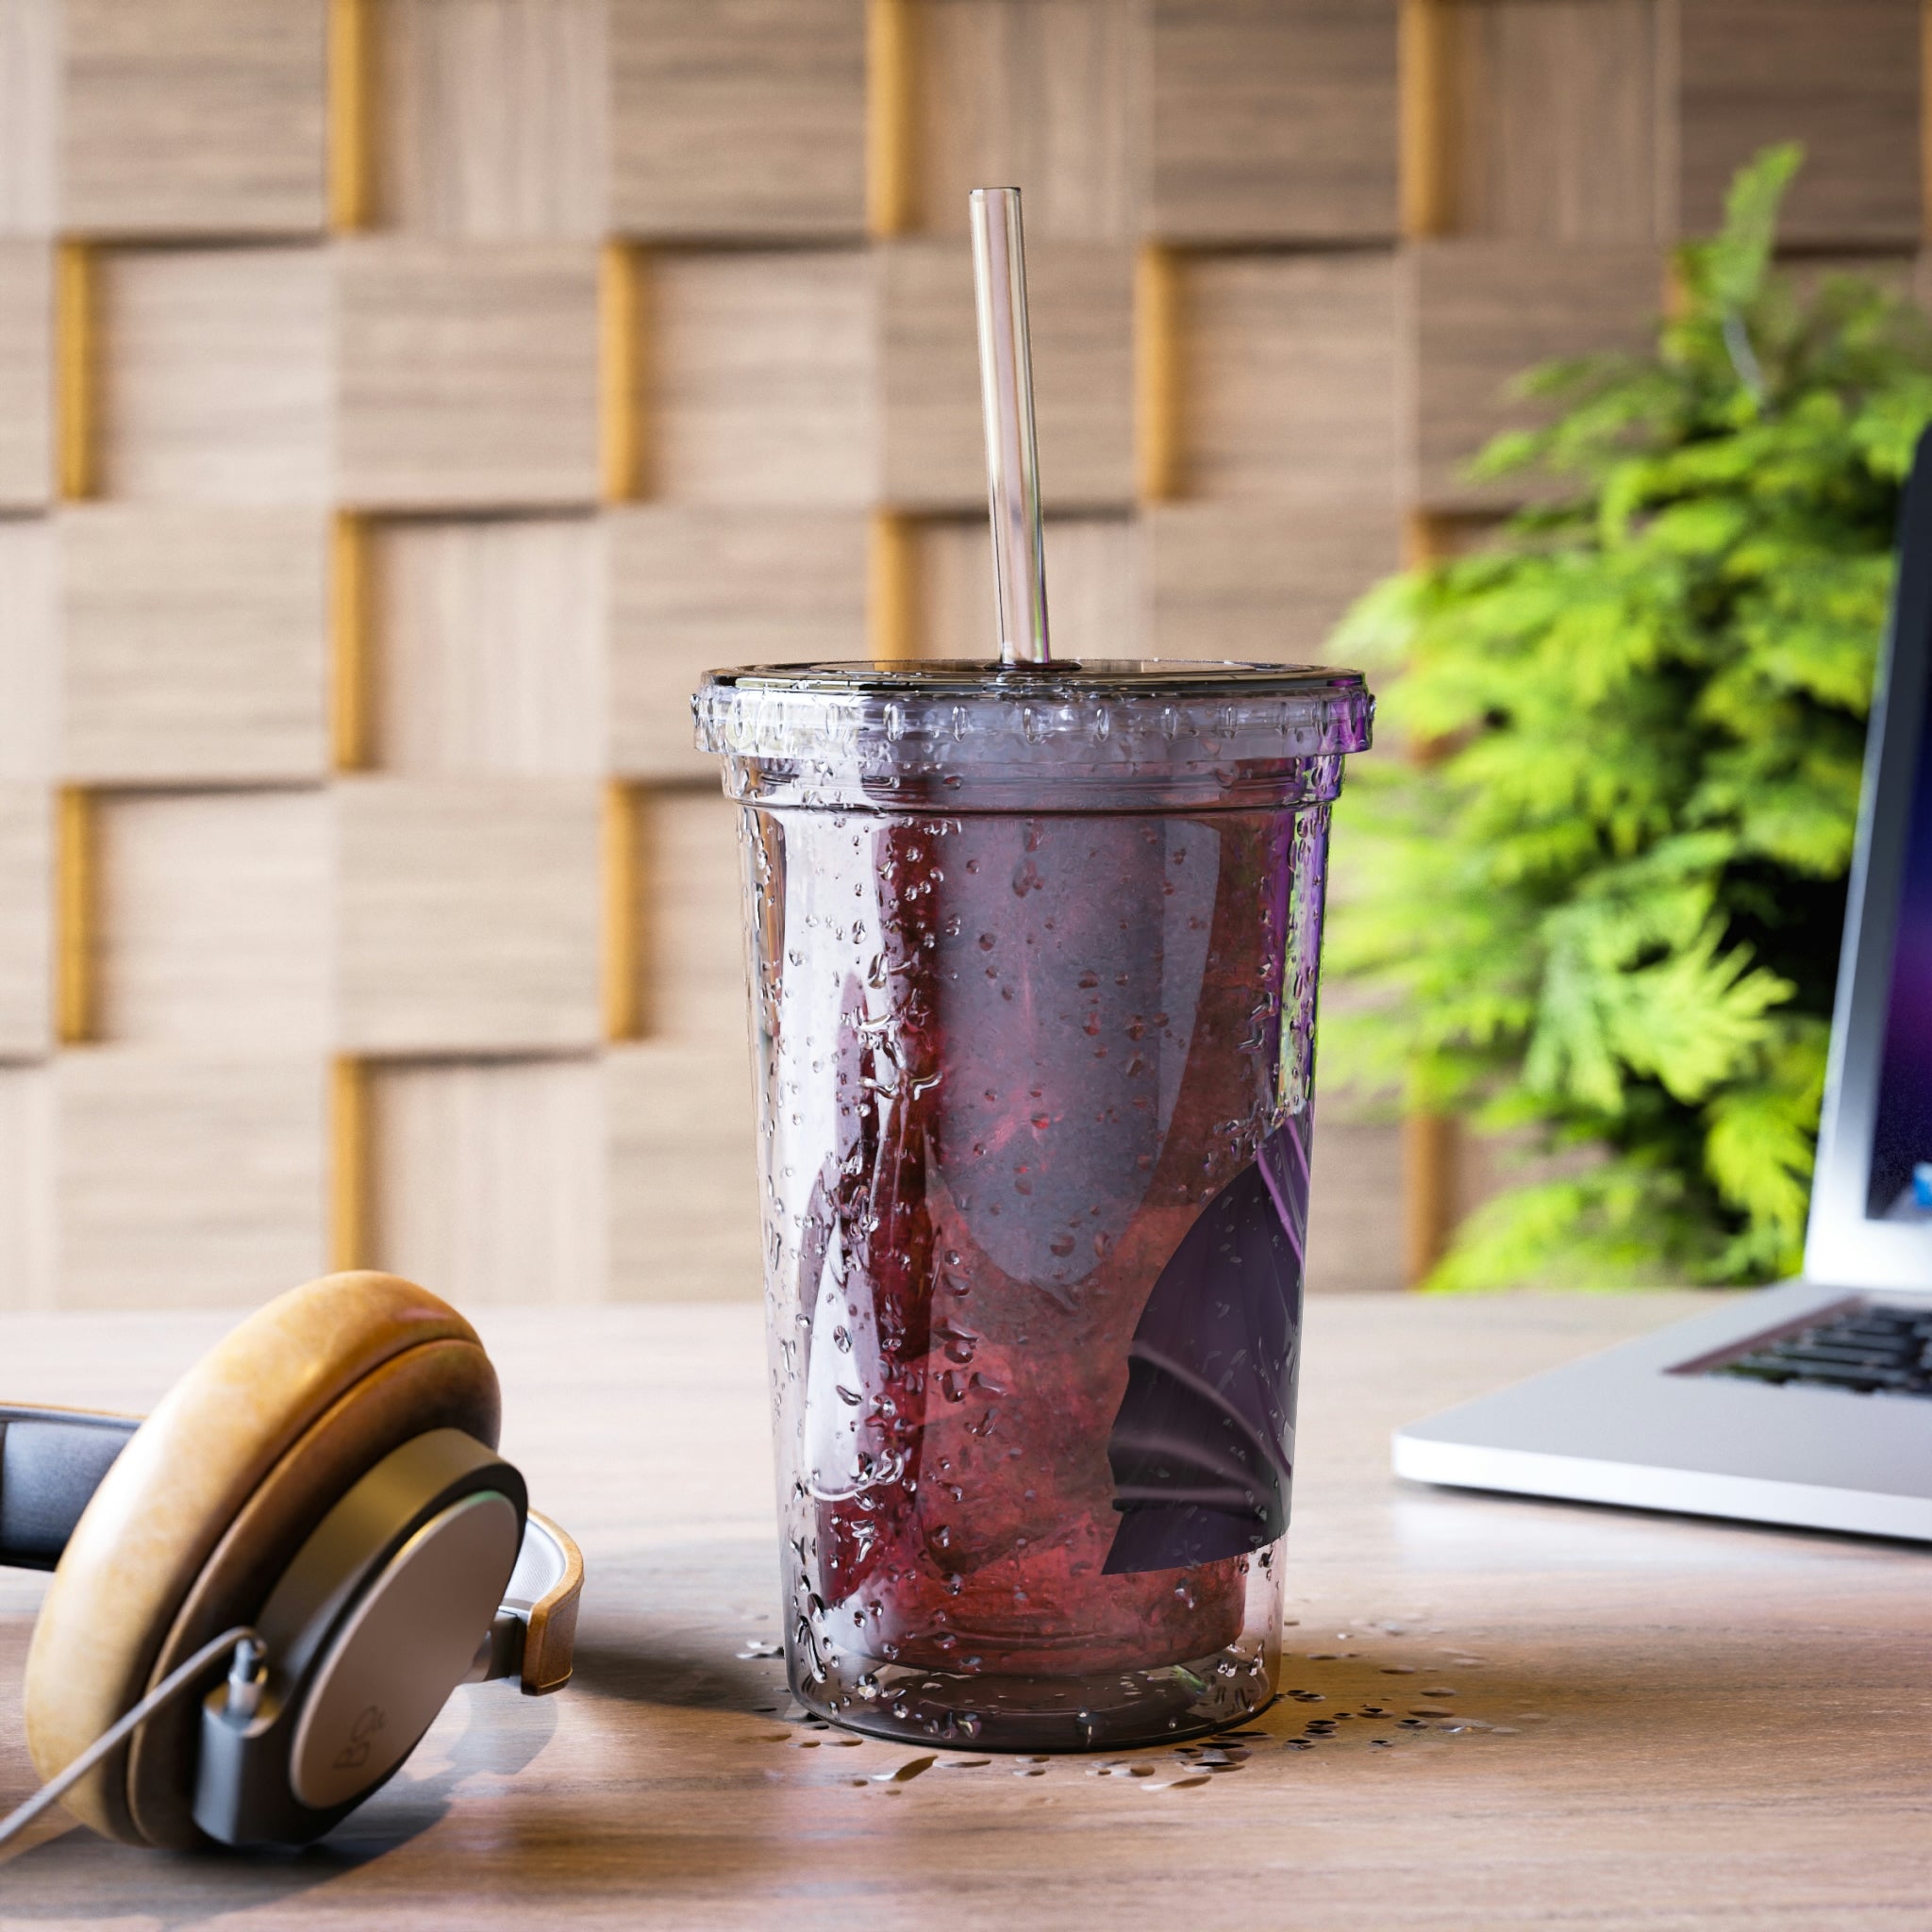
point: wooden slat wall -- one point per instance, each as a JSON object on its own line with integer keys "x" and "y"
{"x": 400, "y": 401}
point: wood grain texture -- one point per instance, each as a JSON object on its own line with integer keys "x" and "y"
{"x": 26, "y": 375}
{"x": 26, "y": 920}
{"x": 1274, "y": 120}
{"x": 1700, "y": 1722}
{"x": 1355, "y": 1226}
{"x": 491, "y": 1178}
{"x": 761, "y": 375}
{"x": 1081, "y": 304}
{"x": 349, "y": 188}
{"x": 76, "y": 904}
{"x": 892, "y": 38}
{"x": 350, "y": 648}
{"x": 1425, "y": 107}
{"x": 892, "y": 586}
{"x": 215, "y": 375}
{"x": 351, "y": 1165}
{"x": 1250, "y": 580}
{"x": 212, "y": 924}
{"x": 1478, "y": 314}
{"x": 192, "y": 117}
{"x": 1842, "y": 76}
{"x": 490, "y": 118}
{"x": 1046, "y": 95}
{"x": 1288, "y": 380}
{"x": 1553, "y": 117}
{"x": 683, "y": 1173}
{"x": 30, "y": 114}
{"x": 76, "y": 375}
{"x": 695, "y": 589}
{"x": 488, "y": 645}
{"x": 468, "y": 375}
{"x": 467, "y": 915}
{"x": 1432, "y": 1190}
{"x": 620, "y": 857}
{"x": 1157, "y": 373}
{"x": 191, "y": 643}
{"x": 694, "y": 939}
{"x": 622, "y": 355}
{"x": 29, "y": 650}
{"x": 28, "y": 1279}
{"x": 184, "y": 1179}
{"x": 740, "y": 117}
{"x": 1094, "y": 566}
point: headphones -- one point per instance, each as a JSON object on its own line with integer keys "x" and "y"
{"x": 318, "y": 1503}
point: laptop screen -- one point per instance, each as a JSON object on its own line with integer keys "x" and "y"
{"x": 1901, "y": 1179}
{"x": 1870, "y": 1222}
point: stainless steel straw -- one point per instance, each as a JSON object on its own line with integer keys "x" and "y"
{"x": 1005, "y": 390}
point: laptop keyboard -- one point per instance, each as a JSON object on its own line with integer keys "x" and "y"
{"x": 1869, "y": 1349}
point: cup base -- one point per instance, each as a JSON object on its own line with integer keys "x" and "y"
{"x": 1108, "y": 1710}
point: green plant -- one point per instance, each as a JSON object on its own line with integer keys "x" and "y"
{"x": 1608, "y": 911}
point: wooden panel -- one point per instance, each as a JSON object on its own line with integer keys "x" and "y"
{"x": 693, "y": 590}
{"x": 214, "y": 374}
{"x": 1092, "y": 584}
{"x": 1238, "y": 580}
{"x": 737, "y": 117}
{"x": 1287, "y": 378}
{"x": 187, "y": 1179}
{"x": 193, "y": 643}
{"x": 761, "y": 378}
{"x": 1274, "y": 120}
{"x": 490, "y": 117}
{"x": 1553, "y": 131}
{"x": 683, "y": 1174}
{"x": 26, "y": 920}
{"x": 468, "y": 374}
{"x": 1354, "y": 1209}
{"x": 1842, "y": 76}
{"x": 26, "y": 1190}
{"x": 1082, "y": 304}
{"x": 211, "y": 920}
{"x": 30, "y": 114}
{"x": 468, "y": 915}
{"x": 1045, "y": 95}
{"x": 1484, "y": 312}
{"x": 489, "y": 646}
{"x": 26, "y": 374}
{"x": 193, "y": 116}
{"x": 492, "y": 1180}
{"x": 694, "y": 933}
{"x": 29, "y": 659}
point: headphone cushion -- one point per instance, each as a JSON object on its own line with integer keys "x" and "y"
{"x": 209, "y": 1501}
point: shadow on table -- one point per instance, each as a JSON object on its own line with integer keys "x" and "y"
{"x": 79, "y": 1874}
{"x": 686, "y": 1672}
{"x": 664, "y": 1630}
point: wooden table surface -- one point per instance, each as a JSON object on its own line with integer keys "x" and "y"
{"x": 1675, "y": 1724}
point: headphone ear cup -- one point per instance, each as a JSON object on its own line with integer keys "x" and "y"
{"x": 207, "y": 1503}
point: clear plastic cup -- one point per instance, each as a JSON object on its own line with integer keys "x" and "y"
{"x": 1033, "y": 957}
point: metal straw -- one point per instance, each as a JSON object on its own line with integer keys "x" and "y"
{"x": 1005, "y": 390}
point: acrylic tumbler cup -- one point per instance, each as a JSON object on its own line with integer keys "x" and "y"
{"x": 1033, "y": 957}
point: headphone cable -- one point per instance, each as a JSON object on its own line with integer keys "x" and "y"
{"x": 247, "y": 1645}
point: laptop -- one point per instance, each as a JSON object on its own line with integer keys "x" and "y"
{"x": 1809, "y": 1402}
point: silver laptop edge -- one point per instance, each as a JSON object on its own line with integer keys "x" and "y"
{"x": 1643, "y": 1426}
